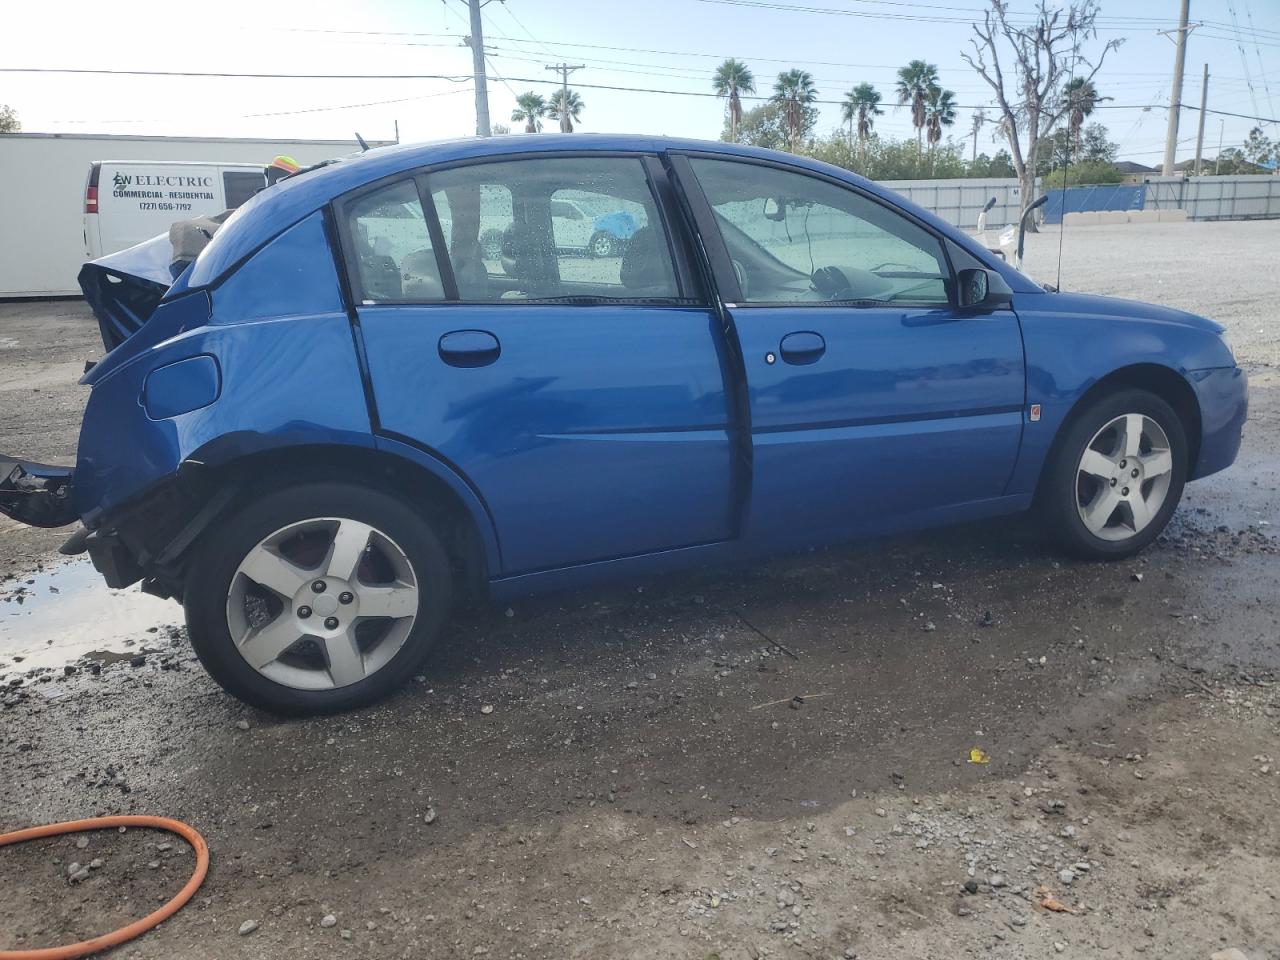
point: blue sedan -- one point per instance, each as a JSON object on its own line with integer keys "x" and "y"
{"x": 349, "y": 411}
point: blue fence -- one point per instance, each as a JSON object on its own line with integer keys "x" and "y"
{"x": 1108, "y": 197}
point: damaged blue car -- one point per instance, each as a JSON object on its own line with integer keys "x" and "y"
{"x": 396, "y": 382}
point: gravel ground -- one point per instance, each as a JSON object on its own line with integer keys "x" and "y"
{"x": 648, "y": 785}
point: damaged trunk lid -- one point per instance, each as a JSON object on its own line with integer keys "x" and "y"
{"x": 123, "y": 289}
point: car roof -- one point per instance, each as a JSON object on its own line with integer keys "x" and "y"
{"x": 279, "y": 207}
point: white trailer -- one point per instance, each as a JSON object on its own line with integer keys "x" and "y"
{"x": 43, "y": 179}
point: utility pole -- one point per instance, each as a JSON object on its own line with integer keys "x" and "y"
{"x": 1204, "y": 102}
{"x": 1175, "y": 95}
{"x": 979, "y": 118}
{"x": 1217, "y": 164}
{"x": 476, "y": 41}
{"x": 564, "y": 69}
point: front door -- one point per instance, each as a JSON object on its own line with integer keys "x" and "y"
{"x": 582, "y": 397}
{"x": 874, "y": 404}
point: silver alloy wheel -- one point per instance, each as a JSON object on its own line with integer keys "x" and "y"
{"x": 1123, "y": 477}
{"x": 322, "y": 603}
{"x": 602, "y": 245}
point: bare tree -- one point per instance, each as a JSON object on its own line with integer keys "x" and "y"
{"x": 9, "y": 119}
{"x": 1040, "y": 57}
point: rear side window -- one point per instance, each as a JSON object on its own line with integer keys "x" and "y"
{"x": 239, "y": 185}
{"x": 394, "y": 260}
{"x": 554, "y": 229}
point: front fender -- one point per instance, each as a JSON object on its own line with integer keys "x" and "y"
{"x": 1073, "y": 341}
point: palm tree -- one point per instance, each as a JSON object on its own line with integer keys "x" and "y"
{"x": 1081, "y": 97}
{"x": 939, "y": 112}
{"x": 862, "y": 103}
{"x": 915, "y": 81}
{"x": 794, "y": 92}
{"x": 531, "y": 108}
{"x": 730, "y": 79}
{"x": 566, "y": 106}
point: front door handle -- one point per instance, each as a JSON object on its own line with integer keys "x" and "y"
{"x": 469, "y": 348}
{"x": 802, "y": 347}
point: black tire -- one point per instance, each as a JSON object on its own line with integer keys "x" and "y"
{"x": 491, "y": 244}
{"x": 602, "y": 244}
{"x": 1058, "y": 496}
{"x": 230, "y": 540}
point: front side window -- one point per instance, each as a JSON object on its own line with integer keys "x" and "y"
{"x": 554, "y": 229}
{"x": 394, "y": 261}
{"x": 794, "y": 238}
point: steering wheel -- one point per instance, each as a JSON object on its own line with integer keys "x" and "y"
{"x": 832, "y": 284}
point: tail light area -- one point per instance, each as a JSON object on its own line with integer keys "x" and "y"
{"x": 91, "y": 190}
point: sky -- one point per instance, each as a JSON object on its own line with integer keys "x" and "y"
{"x": 660, "y": 45}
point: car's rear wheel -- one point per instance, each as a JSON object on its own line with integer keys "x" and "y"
{"x": 317, "y": 598}
{"x": 1116, "y": 476}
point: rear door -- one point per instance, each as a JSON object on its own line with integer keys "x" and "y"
{"x": 584, "y": 399}
{"x": 874, "y": 403}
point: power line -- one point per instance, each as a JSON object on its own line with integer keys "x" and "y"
{"x": 463, "y": 78}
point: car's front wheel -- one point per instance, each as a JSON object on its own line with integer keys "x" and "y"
{"x": 603, "y": 244}
{"x": 1116, "y": 476}
{"x": 317, "y": 598}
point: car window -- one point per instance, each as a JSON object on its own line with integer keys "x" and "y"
{"x": 394, "y": 260}
{"x": 554, "y": 228}
{"x": 794, "y": 238}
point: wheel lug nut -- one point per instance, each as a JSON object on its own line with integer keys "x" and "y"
{"x": 304, "y": 612}
{"x": 317, "y": 586}
{"x": 1134, "y": 474}
{"x": 1124, "y": 492}
{"x": 1113, "y": 481}
{"x": 1123, "y": 464}
{"x": 331, "y": 623}
{"x": 345, "y": 596}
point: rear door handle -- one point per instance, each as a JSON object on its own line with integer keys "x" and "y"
{"x": 802, "y": 347}
{"x": 469, "y": 348}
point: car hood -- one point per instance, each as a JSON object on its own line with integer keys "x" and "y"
{"x": 1092, "y": 304}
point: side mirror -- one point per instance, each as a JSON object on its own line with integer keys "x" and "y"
{"x": 982, "y": 290}
{"x": 775, "y": 208}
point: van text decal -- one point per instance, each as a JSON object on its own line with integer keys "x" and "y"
{"x": 131, "y": 186}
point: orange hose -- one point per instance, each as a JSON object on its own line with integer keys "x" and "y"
{"x": 138, "y": 927}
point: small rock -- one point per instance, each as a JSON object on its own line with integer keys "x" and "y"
{"x": 96, "y": 863}
{"x": 929, "y": 626}
{"x": 73, "y": 868}
{"x": 81, "y": 874}
{"x": 1067, "y": 876}
{"x": 242, "y": 724}
{"x": 248, "y": 927}
{"x": 1231, "y": 953}
{"x": 345, "y": 934}
{"x": 487, "y": 709}
{"x": 971, "y": 886}
{"x": 82, "y": 842}
{"x": 998, "y": 880}
{"x": 328, "y": 920}
{"x": 430, "y": 815}
{"x": 1058, "y": 945}
{"x": 139, "y": 660}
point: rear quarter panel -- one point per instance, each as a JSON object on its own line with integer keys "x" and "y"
{"x": 289, "y": 375}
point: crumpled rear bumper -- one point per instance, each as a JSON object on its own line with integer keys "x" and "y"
{"x": 38, "y": 494}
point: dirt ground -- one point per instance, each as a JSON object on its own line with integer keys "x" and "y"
{"x": 647, "y": 786}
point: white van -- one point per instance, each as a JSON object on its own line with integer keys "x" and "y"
{"x": 129, "y": 201}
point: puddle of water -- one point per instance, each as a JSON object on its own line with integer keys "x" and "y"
{"x": 69, "y": 611}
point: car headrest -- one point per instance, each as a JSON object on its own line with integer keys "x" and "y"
{"x": 644, "y": 266}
